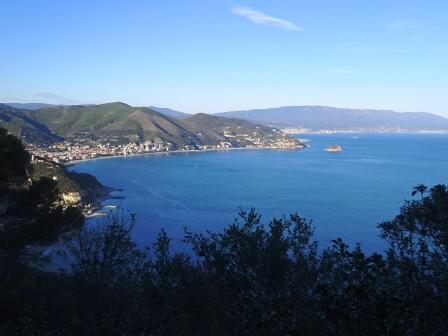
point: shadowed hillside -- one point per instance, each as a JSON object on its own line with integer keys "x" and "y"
{"x": 21, "y": 124}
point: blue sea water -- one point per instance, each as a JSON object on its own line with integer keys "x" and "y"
{"x": 345, "y": 194}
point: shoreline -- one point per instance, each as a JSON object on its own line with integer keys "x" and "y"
{"x": 179, "y": 151}
{"x": 105, "y": 192}
{"x": 102, "y": 195}
{"x": 74, "y": 162}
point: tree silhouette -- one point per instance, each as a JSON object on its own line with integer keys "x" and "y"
{"x": 14, "y": 160}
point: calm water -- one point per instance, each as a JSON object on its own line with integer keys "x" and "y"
{"x": 345, "y": 194}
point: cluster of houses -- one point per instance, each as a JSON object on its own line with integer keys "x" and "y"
{"x": 302, "y": 130}
{"x": 82, "y": 148}
{"x": 71, "y": 150}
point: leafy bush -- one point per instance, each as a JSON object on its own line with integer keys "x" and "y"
{"x": 250, "y": 279}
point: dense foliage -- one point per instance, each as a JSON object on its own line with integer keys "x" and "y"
{"x": 30, "y": 210}
{"x": 251, "y": 279}
{"x": 70, "y": 181}
{"x": 14, "y": 160}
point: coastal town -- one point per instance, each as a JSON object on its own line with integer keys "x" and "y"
{"x": 82, "y": 147}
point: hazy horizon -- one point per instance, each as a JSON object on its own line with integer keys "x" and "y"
{"x": 221, "y": 111}
{"x": 225, "y": 56}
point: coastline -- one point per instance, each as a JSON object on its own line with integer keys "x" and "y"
{"x": 104, "y": 193}
{"x": 74, "y": 162}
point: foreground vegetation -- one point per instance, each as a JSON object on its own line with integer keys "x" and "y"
{"x": 253, "y": 278}
{"x": 30, "y": 207}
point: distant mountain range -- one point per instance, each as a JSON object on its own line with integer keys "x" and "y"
{"x": 50, "y": 122}
{"x": 30, "y": 106}
{"x": 331, "y": 118}
{"x": 122, "y": 121}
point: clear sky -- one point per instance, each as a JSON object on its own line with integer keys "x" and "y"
{"x": 213, "y": 56}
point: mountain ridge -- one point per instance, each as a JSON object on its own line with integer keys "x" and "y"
{"x": 19, "y": 122}
{"x": 30, "y": 106}
{"x": 332, "y": 118}
{"x": 170, "y": 112}
{"x": 121, "y": 123}
{"x": 118, "y": 119}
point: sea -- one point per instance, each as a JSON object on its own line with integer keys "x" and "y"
{"x": 345, "y": 194}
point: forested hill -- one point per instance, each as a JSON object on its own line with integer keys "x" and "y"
{"x": 331, "y": 118}
{"x": 111, "y": 120}
{"x": 19, "y": 122}
{"x": 115, "y": 120}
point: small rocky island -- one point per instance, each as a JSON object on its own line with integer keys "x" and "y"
{"x": 334, "y": 148}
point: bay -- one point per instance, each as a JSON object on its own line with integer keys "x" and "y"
{"x": 345, "y": 194}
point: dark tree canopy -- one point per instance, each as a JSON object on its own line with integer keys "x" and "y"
{"x": 30, "y": 213}
{"x": 14, "y": 159}
{"x": 253, "y": 278}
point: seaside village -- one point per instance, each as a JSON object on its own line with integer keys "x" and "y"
{"x": 72, "y": 150}
{"x": 83, "y": 148}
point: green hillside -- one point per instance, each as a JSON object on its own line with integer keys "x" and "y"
{"x": 70, "y": 181}
{"x": 212, "y": 129}
{"x": 67, "y": 119}
{"x": 112, "y": 119}
{"x": 21, "y": 124}
{"x": 124, "y": 122}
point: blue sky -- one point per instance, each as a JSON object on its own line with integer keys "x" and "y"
{"x": 212, "y": 56}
